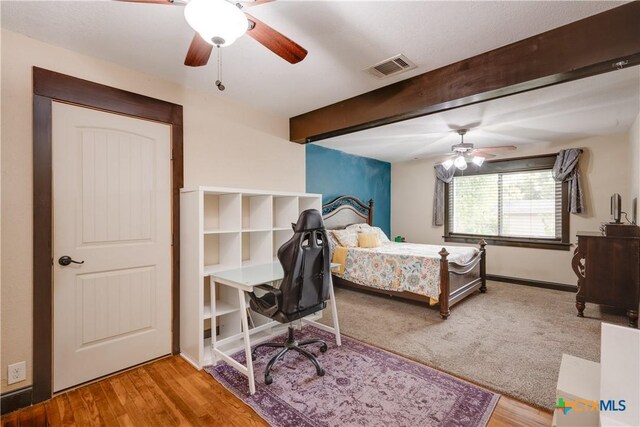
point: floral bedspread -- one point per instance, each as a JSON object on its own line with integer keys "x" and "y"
{"x": 402, "y": 266}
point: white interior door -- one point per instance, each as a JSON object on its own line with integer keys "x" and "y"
{"x": 112, "y": 211}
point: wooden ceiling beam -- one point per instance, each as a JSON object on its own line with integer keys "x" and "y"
{"x": 584, "y": 48}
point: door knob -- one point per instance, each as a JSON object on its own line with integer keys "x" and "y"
{"x": 66, "y": 260}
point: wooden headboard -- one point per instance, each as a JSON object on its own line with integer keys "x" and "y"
{"x": 346, "y": 210}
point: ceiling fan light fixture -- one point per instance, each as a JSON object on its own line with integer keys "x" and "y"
{"x": 478, "y": 160}
{"x": 447, "y": 164}
{"x": 460, "y": 163}
{"x": 219, "y": 22}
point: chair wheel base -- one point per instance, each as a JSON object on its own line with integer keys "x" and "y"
{"x": 290, "y": 344}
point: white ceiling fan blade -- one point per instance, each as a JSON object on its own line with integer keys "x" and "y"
{"x": 433, "y": 145}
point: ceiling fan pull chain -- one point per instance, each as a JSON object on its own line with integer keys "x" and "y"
{"x": 219, "y": 81}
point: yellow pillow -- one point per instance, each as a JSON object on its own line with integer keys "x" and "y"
{"x": 368, "y": 240}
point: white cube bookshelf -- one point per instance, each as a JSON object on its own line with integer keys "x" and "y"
{"x": 221, "y": 212}
{"x": 285, "y": 209}
{"x": 223, "y": 229}
{"x": 257, "y": 211}
{"x": 222, "y": 251}
{"x": 257, "y": 247}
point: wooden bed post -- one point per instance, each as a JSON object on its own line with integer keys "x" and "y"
{"x": 370, "y": 217}
{"x": 483, "y": 266}
{"x": 444, "y": 284}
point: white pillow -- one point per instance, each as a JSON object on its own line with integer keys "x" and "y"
{"x": 383, "y": 237}
{"x": 346, "y": 238}
{"x": 358, "y": 227}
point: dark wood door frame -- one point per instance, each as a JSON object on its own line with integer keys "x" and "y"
{"x": 590, "y": 46}
{"x": 49, "y": 86}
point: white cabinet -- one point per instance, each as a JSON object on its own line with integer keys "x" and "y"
{"x": 222, "y": 229}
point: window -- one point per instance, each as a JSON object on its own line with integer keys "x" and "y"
{"x": 509, "y": 202}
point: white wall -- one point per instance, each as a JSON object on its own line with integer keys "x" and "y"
{"x": 225, "y": 144}
{"x": 605, "y": 169}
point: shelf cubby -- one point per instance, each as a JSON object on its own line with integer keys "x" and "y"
{"x": 226, "y": 300}
{"x": 257, "y": 247}
{"x": 221, "y": 213}
{"x": 285, "y": 211}
{"x": 257, "y": 212}
{"x": 223, "y": 229}
{"x": 221, "y": 251}
{"x": 227, "y": 325}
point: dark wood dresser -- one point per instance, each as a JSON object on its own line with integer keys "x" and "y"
{"x": 608, "y": 270}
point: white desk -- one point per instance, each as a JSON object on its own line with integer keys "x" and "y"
{"x": 244, "y": 280}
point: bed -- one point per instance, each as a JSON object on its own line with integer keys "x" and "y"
{"x": 428, "y": 273}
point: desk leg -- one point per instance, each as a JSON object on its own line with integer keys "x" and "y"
{"x": 212, "y": 304}
{"x": 334, "y": 314}
{"x": 247, "y": 343}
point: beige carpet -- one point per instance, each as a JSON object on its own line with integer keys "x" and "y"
{"x": 510, "y": 339}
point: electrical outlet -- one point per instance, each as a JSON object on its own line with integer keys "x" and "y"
{"x": 17, "y": 372}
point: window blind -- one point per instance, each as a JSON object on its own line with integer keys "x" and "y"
{"x": 510, "y": 204}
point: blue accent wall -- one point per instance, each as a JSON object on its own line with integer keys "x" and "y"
{"x": 334, "y": 173}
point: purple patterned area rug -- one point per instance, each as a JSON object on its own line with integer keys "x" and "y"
{"x": 363, "y": 386}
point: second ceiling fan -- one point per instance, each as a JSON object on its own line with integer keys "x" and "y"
{"x": 221, "y": 22}
{"x": 464, "y": 151}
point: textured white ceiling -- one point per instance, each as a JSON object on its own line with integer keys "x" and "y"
{"x": 599, "y": 105}
{"x": 342, "y": 37}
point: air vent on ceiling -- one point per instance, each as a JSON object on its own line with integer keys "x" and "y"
{"x": 390, "y": 67}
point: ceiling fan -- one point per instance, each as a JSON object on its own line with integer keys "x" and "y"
{"x": 221, "y": 22}
{"x": 464, "y": 151}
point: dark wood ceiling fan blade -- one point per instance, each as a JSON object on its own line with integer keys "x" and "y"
{"x": 497, "y": 148}
{"x": 198, "y": 53}
{"x": 276, "y": 42}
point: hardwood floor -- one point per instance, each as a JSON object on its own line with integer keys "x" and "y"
{"x": 171, "y": 392}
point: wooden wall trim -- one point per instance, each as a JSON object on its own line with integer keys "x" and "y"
{"x": 511, "y": 164}
{"x": 580, "y": 49}
{"x": 535, "y": 283}
{"x": 14, "y": 400}
{"x": 76, "y": 91}
{"x": 47, "y": 87}
{"x": 177, "y": 178}
{"x": 42, "y": 249}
